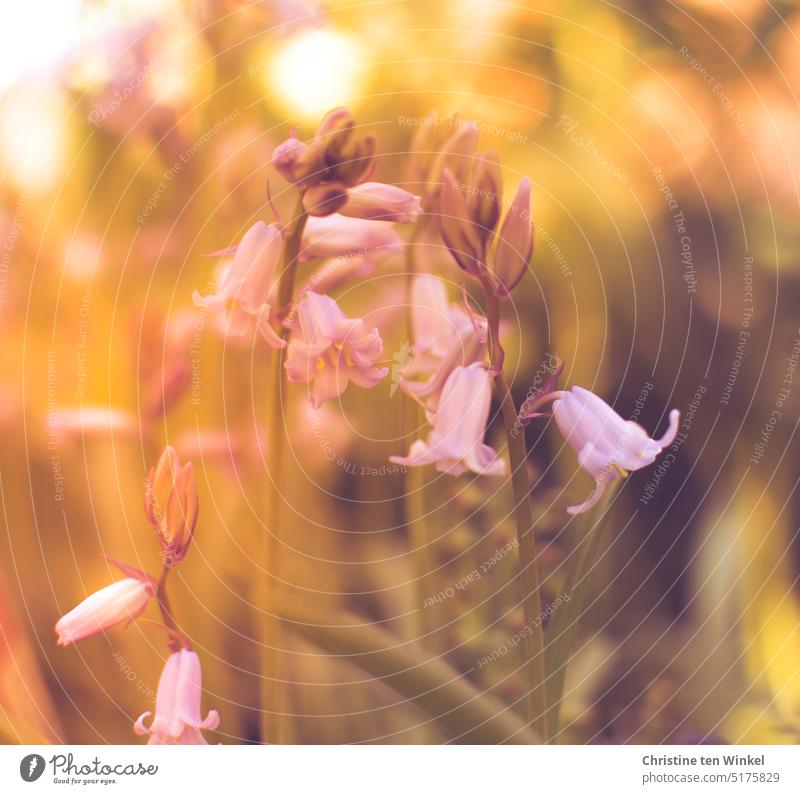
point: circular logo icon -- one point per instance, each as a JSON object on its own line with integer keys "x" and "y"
{"x": 31, "y": 767}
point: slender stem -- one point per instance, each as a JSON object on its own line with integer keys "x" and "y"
{"x": 419, "y": 537}
{"x": 533, "y": 641}
{"x": 273, "y": 700}
{"x": 166, "y": 610}
{"x": 534, "y": 666}
{"x": 414, "y": 479}
{"x": 562, "y": 626}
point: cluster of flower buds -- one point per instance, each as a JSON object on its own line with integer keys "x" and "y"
{"x": 335, "y": 156}
{"x": 465, "y": 188}
{"x": 440, "y": 144}
{"x": 331, "y": 172}
{"x": 470, "y": 211}
{"x": 171, "y": 505}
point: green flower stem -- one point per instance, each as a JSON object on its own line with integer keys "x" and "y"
{"x": 419, "y": 537}
{"x": 275, "y": 725}
{"x": 414, "y": 480}
{"x": 166, "y": 610}
{"x": 533, "y": 646}
{"x": 562, "y": 625}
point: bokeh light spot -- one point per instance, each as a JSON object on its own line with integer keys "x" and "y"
{"x": 315, "y": 71}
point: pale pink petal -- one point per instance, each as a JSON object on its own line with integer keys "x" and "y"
{"x": 330, "y": 349}
{"x": 378, "y": 201}
{"x": 599, "y": 487}
{"x": 672, "y": 430}
{"x": 178, "y": 715}
{"x": 603, "y": 440}
{"x": 114, "y": 604}
{"x": 456, "y": 442}
{"x": 337, "y": 235}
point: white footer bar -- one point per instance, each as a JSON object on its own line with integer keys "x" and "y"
{"x": 400, "y": 769}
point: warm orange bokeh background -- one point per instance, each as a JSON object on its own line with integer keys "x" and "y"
{"x": 146, "y": 144}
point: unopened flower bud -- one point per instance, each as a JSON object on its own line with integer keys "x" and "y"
{"x": 334, "y": 132}
{"x": 324, "y": 199}
{"x": 286, "y": 157}
{"x": 484, "y": 199}
{"x": 158, "y": 486}
{"x": 458, "y": 231}
{"x": 456, "y": 154}
{"x": 421, "y": 149}
{"x": 171, "y": 505}
{"x": 182, "y": 510}
{"x": 356, "y": 161}
{"x": 515, "y": 241}
{"x": 377, "y": 201}
{"x": 105, "y": 608}
{"x": 310, "y": 166}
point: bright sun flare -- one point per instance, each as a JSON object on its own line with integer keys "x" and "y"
{"x": 315, "y": 71}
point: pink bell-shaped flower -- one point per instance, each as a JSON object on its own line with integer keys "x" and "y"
{"x": 329, "y": 349}
{"x": 607, "y": 445}
{"x": 456, "y": 442}
{"x": 430, "y": 324}
{"x": 336, "y": 235}
{"x": 445, "y": 337}
{"x": 177, "y": 719}
{"x": 381, "y": 202}
{"x": 241, "y": 303}
{"x": 114, "y": 604}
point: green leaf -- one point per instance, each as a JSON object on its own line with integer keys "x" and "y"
{"x": 562, "y": 625}
{"x": 431, "y": 684}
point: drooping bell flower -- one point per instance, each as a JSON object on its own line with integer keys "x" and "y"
{"x": 445, "y": 337}
{"x": 241, "y": 303}
{"x": 171, "y": 505}
{"x": 178, "y": 716}
{"x": 608, "y": 446}
{"x": 430, "y": 324}
{"x": 376, "y": 201}
{"x": 330, "y": 349}
{"x": 456, "y": 442}
{"x": 467, "y": 345}
{"x": 338, "y": 271}
{"x": 336, "y": 235}
{"x": 105, "y": 608}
